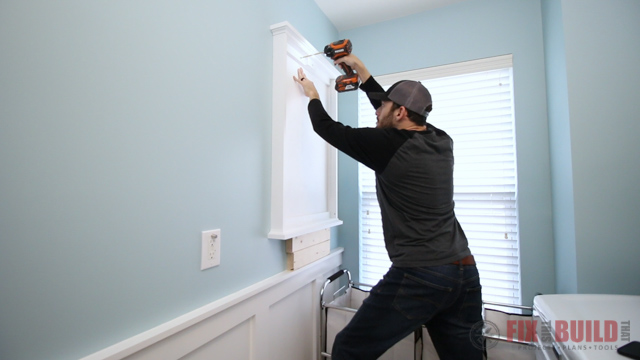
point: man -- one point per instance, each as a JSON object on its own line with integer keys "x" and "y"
{"x": 433, "y": 279}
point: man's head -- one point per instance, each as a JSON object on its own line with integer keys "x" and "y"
{"x": 411, "y": 95}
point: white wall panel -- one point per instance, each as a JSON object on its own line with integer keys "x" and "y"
{"x": 219, "y": 348}
{"x": 284, "y": 327}
{"x": 277, "y": 318}
{"x": 304, "y": 171}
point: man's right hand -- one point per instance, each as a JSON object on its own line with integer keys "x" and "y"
{"x": 356, "y": 64}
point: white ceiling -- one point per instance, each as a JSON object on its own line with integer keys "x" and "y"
{"x": 349, "y": 14}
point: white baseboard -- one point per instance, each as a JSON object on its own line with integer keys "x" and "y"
{"x": 277, "y": 318}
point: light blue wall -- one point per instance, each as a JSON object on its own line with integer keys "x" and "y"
{"x": 127, "y": 128}
{"x": 603, "y": 77}
{"x": 470, "y": 30}
{"x": 560, "y": 145}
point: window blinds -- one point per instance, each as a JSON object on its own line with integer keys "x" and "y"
{"x": 473, "y": 103}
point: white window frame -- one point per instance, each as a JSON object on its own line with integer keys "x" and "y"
{"x": 486, "y": 200}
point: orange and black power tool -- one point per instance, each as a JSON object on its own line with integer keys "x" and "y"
{"x": 349, "y": 81}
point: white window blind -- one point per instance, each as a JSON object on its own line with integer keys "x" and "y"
{"x": 473, "y": 103}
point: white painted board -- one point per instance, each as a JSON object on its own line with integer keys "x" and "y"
{"x": 304, "y": 167}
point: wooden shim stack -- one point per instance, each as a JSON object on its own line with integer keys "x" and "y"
{"x": 304, "y": 249}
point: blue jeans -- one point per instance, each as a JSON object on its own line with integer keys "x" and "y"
{"x": 446, "y": 298}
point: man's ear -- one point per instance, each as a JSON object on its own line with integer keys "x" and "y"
{"x": 402, "y": 112}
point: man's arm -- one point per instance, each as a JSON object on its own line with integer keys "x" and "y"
{"x": 372, "y": 86}
{"x": 371, "y": 147}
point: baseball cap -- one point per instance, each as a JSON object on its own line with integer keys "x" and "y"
{"x": 408, "y": 93}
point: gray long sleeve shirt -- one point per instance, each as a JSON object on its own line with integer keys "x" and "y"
{"x": 414, "y": 184}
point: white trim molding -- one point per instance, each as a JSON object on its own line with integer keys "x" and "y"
{"x": 465, "y": 67}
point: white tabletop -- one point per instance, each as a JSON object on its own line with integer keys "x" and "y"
{"x": 592, "y": 309}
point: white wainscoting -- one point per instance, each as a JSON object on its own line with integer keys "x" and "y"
{"x": 277, "y": 318}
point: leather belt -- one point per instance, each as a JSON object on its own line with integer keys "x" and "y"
{"x": 469, "y": 260}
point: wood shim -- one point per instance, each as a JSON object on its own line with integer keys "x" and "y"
{"x": 308, "y": 255}
{"x": 304, "y": 241}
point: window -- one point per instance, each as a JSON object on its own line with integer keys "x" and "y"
{"x": 473, "y": 103}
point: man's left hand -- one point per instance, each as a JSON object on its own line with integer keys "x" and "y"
{"x": 307, "y": 85}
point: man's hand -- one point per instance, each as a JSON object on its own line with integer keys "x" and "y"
{"x": 356, "y": 64}
{"x": 307, "y": 85}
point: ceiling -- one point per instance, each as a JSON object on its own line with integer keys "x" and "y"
{"x": 349, "y": 14}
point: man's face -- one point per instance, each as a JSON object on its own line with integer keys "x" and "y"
{"x": 385, "y": 115}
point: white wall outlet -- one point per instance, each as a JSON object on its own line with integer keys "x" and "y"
{"x": 210, "y": 249}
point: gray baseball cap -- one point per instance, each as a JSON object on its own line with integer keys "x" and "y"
{"x": 408, "y": 93}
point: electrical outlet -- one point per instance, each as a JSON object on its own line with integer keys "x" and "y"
{"x": 210, "y": 249}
